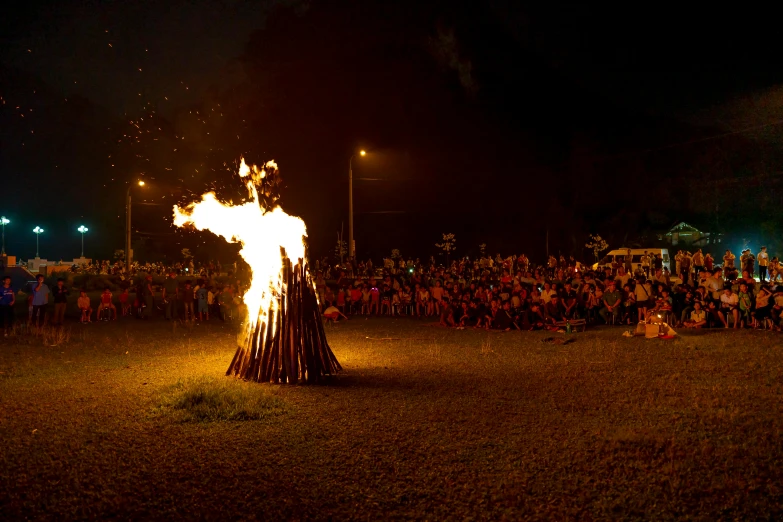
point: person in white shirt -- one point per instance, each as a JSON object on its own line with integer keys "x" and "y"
{"x": 763, "y": 258}
{"x": 729, "y": 302}
{"x": 547, "y": 293}
{"x": 622, "y": 277}
{"x": 646, "y": 264}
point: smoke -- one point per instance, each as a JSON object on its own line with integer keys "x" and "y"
{"x": 445, "y": 48}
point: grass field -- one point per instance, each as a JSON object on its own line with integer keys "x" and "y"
{"x": 136, "y": 421}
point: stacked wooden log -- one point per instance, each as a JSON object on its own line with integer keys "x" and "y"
{"x": 290, "y": 345}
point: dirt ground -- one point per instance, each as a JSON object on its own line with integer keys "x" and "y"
{"x": 136, "y": 420}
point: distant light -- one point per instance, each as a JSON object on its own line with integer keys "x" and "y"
{"x": 363, "y": 153}
{"x": 82, "y": 229}
{"x": 141, "y": 183}
{"x": 4, "y": 220}
{"x": 38, "y": 230}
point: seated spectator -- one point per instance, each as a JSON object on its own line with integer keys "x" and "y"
{"x": 612, "y": 302}
{"x": 553, "y": 310}
{"x": 729, "y": 305}
{"x": 447, "y": 313}
{"x": 763, "y": 309}
{"x": 698, "y": 317}
{"x": 687, "y": 306}
{"x": 569, "y": 301}
{"x": 745, "y": 305}
{"x": 83, "y": 302}
{"x": 503, "y": 319}
{"x": 777, "y": 308}
{"x": 106, "y": 303}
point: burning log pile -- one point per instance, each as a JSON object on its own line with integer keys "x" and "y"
{"x": 291, "y": 345}
{"x": 284, "y": 339}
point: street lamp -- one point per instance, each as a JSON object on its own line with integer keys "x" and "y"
{"x": 128, "y": 225}
{"x": 82, "y": 229}
{"x": 4, "y": 220}
{"x": 350, "y": 204}
{"x": 38, "y": 231}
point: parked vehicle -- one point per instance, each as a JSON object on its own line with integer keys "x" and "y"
{"x": 617, "y": 257}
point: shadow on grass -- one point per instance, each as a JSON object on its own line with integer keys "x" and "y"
{"x": 208, "y": 399}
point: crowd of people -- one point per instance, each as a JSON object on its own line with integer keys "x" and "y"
{"x": 513, "y": 293}
{"x": 488, "y": 292}
{"x": 177, "y": 297}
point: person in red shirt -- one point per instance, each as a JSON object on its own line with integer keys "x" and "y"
{"x": 356, "y": 300}
{"x": 124, "y": 304}
{"x": 375, "y": 300}
{"x": 106, "y": 303}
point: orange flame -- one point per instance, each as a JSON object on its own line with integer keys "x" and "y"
{"x": 261, "y": 232}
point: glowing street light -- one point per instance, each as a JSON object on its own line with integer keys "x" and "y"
{"x": 38, "y": 231}
{"x": 351, "y": 252}
{"x": 4, "y": 220}
{"x": 128, "y": 256}
{"x": 82, "y": 229}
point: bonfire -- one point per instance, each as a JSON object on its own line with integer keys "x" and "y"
{"x": 284, "y": 339}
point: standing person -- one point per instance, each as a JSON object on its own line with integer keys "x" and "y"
{"x": 643, "y": 291}
{"x": 749, "y": 262}
{"x": 729, "y": 271}
{"x": 212, "y": 301}
{"x": 709, "y": 262}
{"x": 40, "y": 300}
{"x": 187, "y": 301}
{"x": 149, "y": 297}
{"x": 698, "y": 263}
{"x": 763, "y": 259}
{"x": 685, "y": 267}
{"x": 60, "y": 294}
{"x": 646, "y": 264}
{"x": 202, "y": 306}
{"x": 657, "y": 262}
{"x": 728, "y": 259}
{"x": 171, "y": 295}
{"x": 124, "y": 304}
{"x": 7, "y": 301}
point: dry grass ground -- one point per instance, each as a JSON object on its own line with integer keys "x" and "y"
{"x": 136, "y": 421}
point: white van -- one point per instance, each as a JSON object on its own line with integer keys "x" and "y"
{"x": 636, "y": 257}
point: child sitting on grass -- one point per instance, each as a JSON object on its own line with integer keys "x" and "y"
{"x": 83, "y": 302}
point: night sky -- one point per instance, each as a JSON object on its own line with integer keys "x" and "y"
{"x": 492, "y": 120}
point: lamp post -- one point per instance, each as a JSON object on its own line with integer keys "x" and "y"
{"x": 351, "y": 252}
{"x": 4, "y": 220}
{"x": 82, "y": 229}
{"x": 38, "y": 231}
{"x": 128, "y": 259}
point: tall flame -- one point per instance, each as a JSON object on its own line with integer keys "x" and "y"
{"x": 261, "y": 232}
